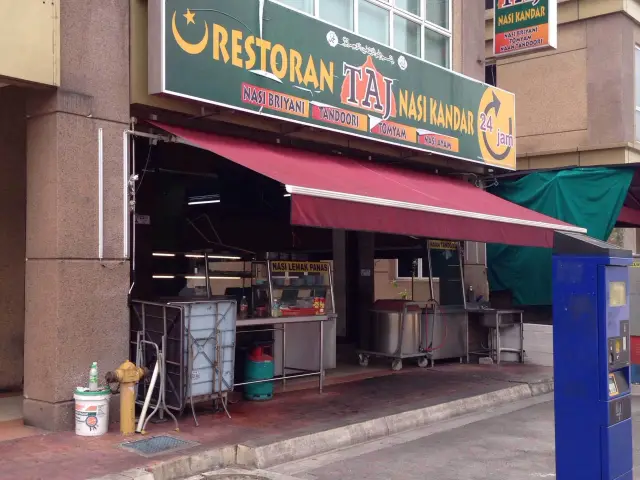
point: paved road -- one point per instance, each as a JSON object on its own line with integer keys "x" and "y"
{"x": 513, "y": 442}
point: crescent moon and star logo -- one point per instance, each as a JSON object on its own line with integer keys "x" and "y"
{"x": 496, "y": 128}
{"x": 190, "y": 48}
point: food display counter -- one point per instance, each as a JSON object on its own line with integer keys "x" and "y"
{"x": 281, "y": 300}
{"x": 300, "y": 315}
{"x": 313, "y": 357}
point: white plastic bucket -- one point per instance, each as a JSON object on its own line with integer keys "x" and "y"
{"x": 92, "y": 411}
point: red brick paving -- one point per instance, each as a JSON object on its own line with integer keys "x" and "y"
{"x": 65, "y": 456}
{"x": 14, "y": 429}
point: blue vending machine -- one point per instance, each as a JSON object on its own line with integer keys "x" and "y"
{"x": 591, "y": 346}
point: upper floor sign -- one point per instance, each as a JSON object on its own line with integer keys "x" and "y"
{"x": 524, "y": 25}
{"x": 264, "y": 58}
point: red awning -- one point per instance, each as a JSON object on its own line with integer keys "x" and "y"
{"x": 629, "y": 217}
{"x": 338, "y": 192}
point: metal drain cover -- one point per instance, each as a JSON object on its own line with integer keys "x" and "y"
{"x": 238, "y": 474}
{"x": 149, "y": 447}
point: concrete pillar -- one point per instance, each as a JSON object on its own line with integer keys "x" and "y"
{"x": 12, "y": 235}
{"x": 340, "y": 280}
{"x": 365, "y": 279}
{"x": 468, "y": 37}
{"x": 76, "y": 305}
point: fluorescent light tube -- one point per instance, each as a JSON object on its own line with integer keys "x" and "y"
{"x": 203, "y": 202}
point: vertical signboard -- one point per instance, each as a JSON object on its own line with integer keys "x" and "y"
{"x": 524, "y": 25}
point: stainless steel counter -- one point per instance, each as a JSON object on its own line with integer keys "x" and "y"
{"x": 460, "y": 331}
{"x": 305, "y": 353}
{"x": 443, "y": 334}
{"x": 251, "y": 322}
{"x": 492, "y": 322}
{"x": 447, "y": 333}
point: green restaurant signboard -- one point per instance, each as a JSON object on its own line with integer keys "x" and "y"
{"x": 264, "y": 58}
{"x": 524, "y": 25}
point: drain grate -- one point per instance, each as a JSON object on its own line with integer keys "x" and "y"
{"x": 159, "y": 445}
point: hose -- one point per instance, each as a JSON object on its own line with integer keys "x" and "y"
{"x": 444, "y": 336}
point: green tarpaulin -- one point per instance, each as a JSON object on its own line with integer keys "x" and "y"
{"x": 587, "y": 197}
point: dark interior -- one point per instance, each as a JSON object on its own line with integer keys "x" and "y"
{"x": 251, "y": 218}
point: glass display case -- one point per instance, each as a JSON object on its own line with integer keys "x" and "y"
{"x": 270, "y": 288}
{"x": 300, "y": 288}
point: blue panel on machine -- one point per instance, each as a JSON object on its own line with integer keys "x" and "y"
{"x": 617, "y": 450}
{"x": 591, "y": 359}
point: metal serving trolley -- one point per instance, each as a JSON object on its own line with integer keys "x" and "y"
{"x": 426, "y": 330}
{"x": 397, "y": 328}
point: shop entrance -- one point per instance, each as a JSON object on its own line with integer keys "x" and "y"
{"x": 323, "y": 260}
{"x": 191, "y": 203}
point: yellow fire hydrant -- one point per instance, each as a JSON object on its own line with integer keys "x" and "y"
{"x": 127, "y": 375}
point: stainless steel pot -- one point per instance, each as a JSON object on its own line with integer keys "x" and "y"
{"x": 385, "y": 331}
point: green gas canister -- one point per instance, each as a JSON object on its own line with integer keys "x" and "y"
{"x": 259, "y": 366}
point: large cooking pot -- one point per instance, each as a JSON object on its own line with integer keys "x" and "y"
{"x": 386, "y": 318}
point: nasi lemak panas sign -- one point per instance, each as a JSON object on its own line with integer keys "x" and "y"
{"x": 524, "y": 25}
{"x": 264, "y": 58}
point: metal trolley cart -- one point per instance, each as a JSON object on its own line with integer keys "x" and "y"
{"x": 397, "y": 330}
{"x": 427, "y": 330}
{"x": 197, "y": 339}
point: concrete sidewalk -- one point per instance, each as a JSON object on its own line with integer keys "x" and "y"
{"x": 292, "y": 426}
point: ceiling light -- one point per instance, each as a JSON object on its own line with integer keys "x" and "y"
{"x": 203, "y": 202}
{"x": 160, "y": 254}
{"x": 164, "y": 277}
{"x": 203, "y": 199}
{"x": 287, "y": 195}
{"x": 217, "y": 257}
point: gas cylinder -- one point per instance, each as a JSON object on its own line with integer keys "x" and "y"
{"x": 259, "y": 366}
